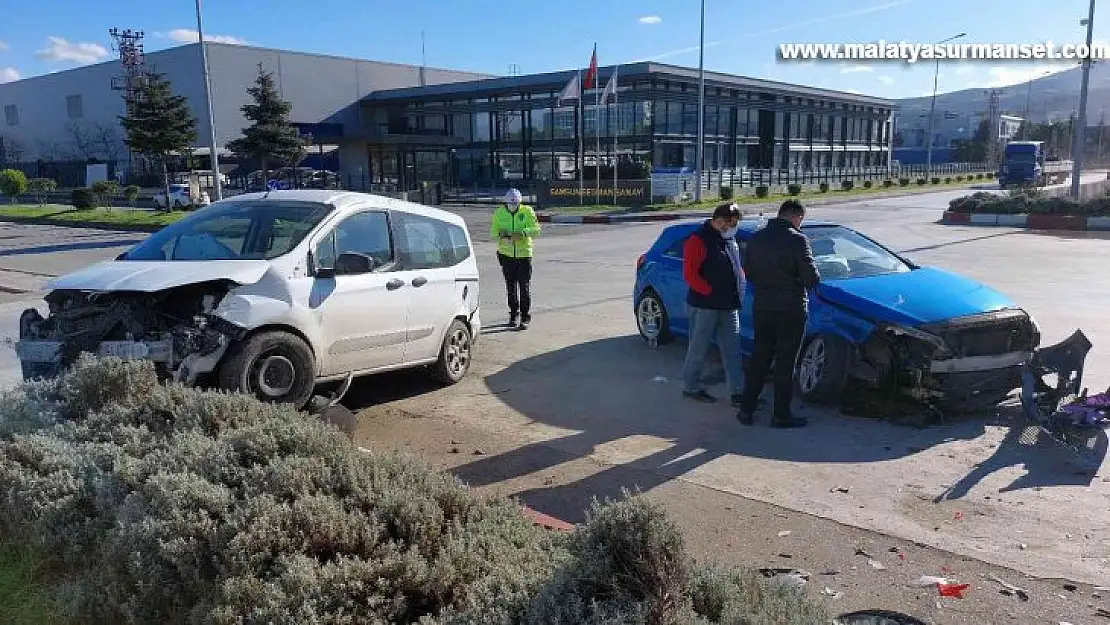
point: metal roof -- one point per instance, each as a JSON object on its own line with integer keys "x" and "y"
{"x": 556, "y": 80}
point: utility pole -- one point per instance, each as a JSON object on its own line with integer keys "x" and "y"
{"x": 213, "y": 157}
{"x": 701, "y": 109}
{"x": 933, "y": 110}
{"x": 1080, "y": 137}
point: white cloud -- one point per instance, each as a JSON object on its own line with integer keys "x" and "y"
{"x": 855, "y": 91}
{"x": 4, "y": 47}
{"x": 184, "y": 35}
{"x": 650, "y": 19}
{"x": 61, "y": 50}
{"x": 854, "y": 69}
{"x": 1004, "y": 76}
{"x": 964, "y": 68}
{"x": 886, "y": 80}
{"x": 9, "y": 74}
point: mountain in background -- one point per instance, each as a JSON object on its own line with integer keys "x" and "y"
{"x": 1054, "y": 97}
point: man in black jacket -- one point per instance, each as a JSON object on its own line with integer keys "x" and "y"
{"x": 778, "y": 263}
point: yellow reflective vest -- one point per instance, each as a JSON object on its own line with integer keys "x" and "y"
{"x": 504, "y": 224}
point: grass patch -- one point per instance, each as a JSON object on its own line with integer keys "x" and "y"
{"x": 752, "y": 199}
{"x": 67, "y": 215}
{"x": 24, "y": 595}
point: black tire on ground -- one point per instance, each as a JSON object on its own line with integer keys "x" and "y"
{"x": 823, "y": 369}
{"x": 455, "y": 355}
{"x": 650, "y": 298}
{"x": 274, "y": 366}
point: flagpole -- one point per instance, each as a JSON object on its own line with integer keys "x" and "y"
{"x": 616, "y": 131}
{"x": 581, "y": 155}
{"x": 597, "y": 131}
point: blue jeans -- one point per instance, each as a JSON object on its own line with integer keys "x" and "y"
{"x": 705, "y": 325}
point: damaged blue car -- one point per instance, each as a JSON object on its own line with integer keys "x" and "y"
{"x": 876, "y": 321}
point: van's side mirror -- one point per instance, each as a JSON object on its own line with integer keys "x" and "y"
{"x": 353, "y": 263}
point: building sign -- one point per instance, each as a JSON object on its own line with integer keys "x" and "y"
{"x": 672, "y": 184}
{"x": 565, "y": 193}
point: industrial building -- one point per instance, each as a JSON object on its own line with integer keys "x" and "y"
{"x": 403, "y": 125}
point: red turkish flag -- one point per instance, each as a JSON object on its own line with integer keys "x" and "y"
{"x": 591, "y": 74}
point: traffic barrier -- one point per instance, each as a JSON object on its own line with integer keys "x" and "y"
{"x": 1035, "y": 221}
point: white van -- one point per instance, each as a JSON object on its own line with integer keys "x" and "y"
{"x": 273, "y": 293}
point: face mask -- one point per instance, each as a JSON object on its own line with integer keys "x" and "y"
{"x": 731, "y": 232}
{"x": 512, "y": 207}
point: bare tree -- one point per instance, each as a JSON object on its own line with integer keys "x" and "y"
{"x": 49, "y": 151}
{"x": 82, "y": 140}
{"x": 13, "y": 149}
{"x": 108, "y": 141}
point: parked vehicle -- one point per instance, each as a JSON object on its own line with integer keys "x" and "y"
{"x": 274, "y": 293}
{"x": 1028, "y": 163}
{"x": 181, "y": 197}
{"x": 876, "y": 319}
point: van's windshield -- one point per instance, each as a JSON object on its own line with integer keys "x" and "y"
{"x": 254, "y": 230}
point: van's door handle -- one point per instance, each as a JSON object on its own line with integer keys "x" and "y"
{"x": 419, "y": 281}
{"x": 394, "y": 284}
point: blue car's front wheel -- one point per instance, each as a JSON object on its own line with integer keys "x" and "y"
{"x": 651, "y": 318}
{"x": 823, "y": 369}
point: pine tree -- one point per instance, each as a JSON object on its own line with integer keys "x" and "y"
{"x": 270, "y": 137}
{"x": 158, "y": 123}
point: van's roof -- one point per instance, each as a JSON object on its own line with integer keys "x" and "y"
{"x": 343, "y": 200}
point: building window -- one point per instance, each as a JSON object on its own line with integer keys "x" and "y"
{"x": 11, "y": 115}
{"x": 460, "y": 127}
{"x": 540, "y": 124}
{"x": 481, "y": 127}
{"x": 74, "y": 107}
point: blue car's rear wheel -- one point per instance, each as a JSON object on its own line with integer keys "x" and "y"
{"x": 652, "y": 319}
{"x": 823, "y": 369}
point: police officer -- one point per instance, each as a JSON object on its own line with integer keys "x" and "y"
{"x": 513, "y": 226}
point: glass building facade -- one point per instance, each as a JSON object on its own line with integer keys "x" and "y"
{"x": 515, "y": 129}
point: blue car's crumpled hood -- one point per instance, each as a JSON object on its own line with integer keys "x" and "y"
{"x": 921, "y": 296}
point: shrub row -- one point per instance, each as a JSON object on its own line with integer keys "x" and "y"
{"x": 101, "y": 194}
{"x": 164, "y": 504}
{"x": 1024, "y": 202}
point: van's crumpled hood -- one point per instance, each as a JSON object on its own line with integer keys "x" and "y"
{"x": 151, "y": 276}
{"x": 922, "y": 296}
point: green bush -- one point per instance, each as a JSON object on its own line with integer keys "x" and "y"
{"x": 165, "y": 504}
{"x": 105, "y": 190}
{"x": 947, "y": 180}
{"x": 959, "y": 178}
{"x": 979, "y": 176}
{"x": 888, "y": 183}
{"x": 989, "y": 175}
{"x": 867, "y": 184}
{"x": 762, "y": 191}
{"x": 41, "y": 188}
{"x": 1022, "y": 201}
{"x": 824, "y": 187}
{"x": 794, "y": 189}
{"x": 847, "y": 185}
{"x": 13, "y": 183}
{"x": 83, "y": 198}
{"x": 726, "y": 193}
{"x": 935, "y": 180}
{"x": 922, "y": 181}
{"x": 903, "y": 182}
{"x": 131, "y": 193}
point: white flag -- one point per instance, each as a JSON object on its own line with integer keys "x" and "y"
{"x": 610, "y": 88}
{"x": 572, "y": 91}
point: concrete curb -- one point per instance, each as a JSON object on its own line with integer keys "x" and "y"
{"x": 1034, "y": 221}
{"x": 92, "y": 225}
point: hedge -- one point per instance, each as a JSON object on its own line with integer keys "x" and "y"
{"x": 1022, "y": 203}
{"x": 165, "y": 504}
{"x": 794, "y": 189}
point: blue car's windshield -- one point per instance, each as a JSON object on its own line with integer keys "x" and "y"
{"x": 1021, "y": 158}
{"x": 841, "y": 253}
{"x": 254, "y": 230}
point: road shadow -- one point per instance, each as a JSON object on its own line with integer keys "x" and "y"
{"x": 645, "y": 419}
{"x": 384, "y": 388}
{"x": 71, "y": 247}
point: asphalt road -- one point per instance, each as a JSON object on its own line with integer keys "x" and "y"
{"x": 580, "y": 382}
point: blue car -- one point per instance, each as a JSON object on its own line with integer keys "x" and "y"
{"x": 876, "y": 321}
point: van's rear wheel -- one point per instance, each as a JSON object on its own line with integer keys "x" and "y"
{"x": 455, "y": 355}
{"x": 276, "y": 367}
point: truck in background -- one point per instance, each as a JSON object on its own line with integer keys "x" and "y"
{"x": 1027, "y": 163}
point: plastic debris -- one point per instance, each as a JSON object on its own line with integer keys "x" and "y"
{"x": 1071, "y": 587}
{"x": 659, "y": 379}
{"x": 959, "y": 516}
{"x": 795, "y": 578}
{"x": 875, "y": 564}
{"x": 840, "y": 489}
{"x": 861, "y": 552}
{"x": 930, "y": 580}
{"x": 829, "y": 592}
{"x": 952, "y": 590}
{"x": 784, "y": 533}
{"x": 1006, "y": 586}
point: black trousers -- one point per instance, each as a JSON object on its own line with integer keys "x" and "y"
{"x": 778, "y": 337}
{"x": 518, "y": 284}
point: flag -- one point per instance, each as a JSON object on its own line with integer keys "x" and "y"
{"x": 610, "y": 88}
{"x": 591, "y": 74}
{"x": 572, "y": 91}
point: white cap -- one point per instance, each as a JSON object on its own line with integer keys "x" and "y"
{"x": 513, "y": 197}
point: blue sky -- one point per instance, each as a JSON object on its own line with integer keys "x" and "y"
{"x": 742, "y": 37}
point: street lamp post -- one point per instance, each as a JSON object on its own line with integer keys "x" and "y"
{"x": 1029, "y": 104}
{"x": 213, "y": 157}
{"x": 701, "y": 109}
{"x": 1079, "y": 140}
{"x": 933, "y": 110}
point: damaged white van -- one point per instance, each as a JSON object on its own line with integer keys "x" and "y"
{"x": 272, "y": 294}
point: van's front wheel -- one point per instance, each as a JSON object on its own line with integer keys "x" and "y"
{"x": 276, "y": 367}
